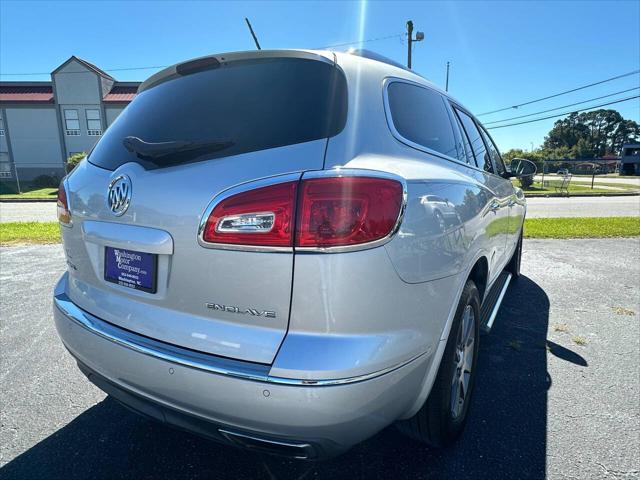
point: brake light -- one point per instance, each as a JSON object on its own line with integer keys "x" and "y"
{"x": 64, "y": 215}
{"x": 263, "y": 216}
{"x": 342, "y": 211}
{"x": 323, "y": 212}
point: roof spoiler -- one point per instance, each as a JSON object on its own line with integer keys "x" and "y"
{"x": 215, "y": 61}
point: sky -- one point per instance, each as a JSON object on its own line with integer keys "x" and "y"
{"x": 501, "y": 53}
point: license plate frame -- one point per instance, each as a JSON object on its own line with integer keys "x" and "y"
{"x": 135, "y": 270}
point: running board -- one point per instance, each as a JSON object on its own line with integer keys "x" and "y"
{"x": 493, "y": 300}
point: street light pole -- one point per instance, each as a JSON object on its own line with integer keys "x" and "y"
{"x": 419, "y": 37}
{"x": 410, "y": 36}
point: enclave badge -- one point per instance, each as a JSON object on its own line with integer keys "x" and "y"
{"x": 243, "y": 311}
{"x": 119, "y": 195}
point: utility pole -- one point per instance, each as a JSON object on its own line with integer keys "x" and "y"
{"x": 419, "y": 37}
{"x": 446, "y": 87}
{"x": 255, "y": 39}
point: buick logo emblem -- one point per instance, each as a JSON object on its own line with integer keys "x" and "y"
{"x": 119, "y": 195}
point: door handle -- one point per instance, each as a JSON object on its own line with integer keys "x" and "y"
{"x": 512, "y": 202}
{"x": 494, "y": 206}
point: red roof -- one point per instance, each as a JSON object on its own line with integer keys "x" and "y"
{"x": 120, "y": 94}
{"x": 42, "y": 92}
{"x": 26, "y": 93}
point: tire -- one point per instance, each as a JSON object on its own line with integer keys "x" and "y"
{"x": 513, "y": 267}
{"x": 440, "y": 421}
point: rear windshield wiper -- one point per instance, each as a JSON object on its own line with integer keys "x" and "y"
{"x": 158, "y": 150}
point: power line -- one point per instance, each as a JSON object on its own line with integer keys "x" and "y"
{"x": 563, "y": 106}
{"x": 565, "y": 113}
{"x": 397, "y": 35}
{"x": 561, "y": 93}
{"x": 152, "y": 67}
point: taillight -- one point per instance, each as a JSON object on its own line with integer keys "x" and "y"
{"x": 323, "y": 212}
{"x": 343, "y": 211}
{"x": 64, "y": 215}
{"x": 263, "y": 216}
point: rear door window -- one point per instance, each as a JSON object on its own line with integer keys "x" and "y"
{"x": 467, "y": 152}
{"x": 238, "y": 107}
{"x": 493, "y": 153}
{"x": 483, "y": 160}
{"x": 420, "y": 115}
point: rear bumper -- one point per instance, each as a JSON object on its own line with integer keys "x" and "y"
{"x": 235, "y": 402}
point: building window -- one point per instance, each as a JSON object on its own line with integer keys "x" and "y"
{"x": 71, "y": 122}
{"x": 93, "y": 120}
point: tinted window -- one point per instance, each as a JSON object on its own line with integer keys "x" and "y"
{"x": 483, "y": 160}
{"x": 242, "y": 106}
{"x": 493, "y": 153}
{"x": 467, "y": 152}
{"x": 420, "y": 115}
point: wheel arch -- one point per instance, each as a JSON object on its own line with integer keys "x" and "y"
{"x": 479, "y": 273}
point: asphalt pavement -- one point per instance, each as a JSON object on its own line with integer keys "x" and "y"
{"x": 538, "y": 207}
{"x": 28, "y": 211}
{"x": 557, "y": 393}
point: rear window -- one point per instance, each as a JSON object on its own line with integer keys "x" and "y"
{"x": 241, "y": 107}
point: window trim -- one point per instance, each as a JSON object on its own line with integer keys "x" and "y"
{"x": 455, "y": 105}
{"x": 387, "y": 110}
{"x": 463, "y": 132}
{"x": 485, "y": 133}
{"x": 449, "y": 104}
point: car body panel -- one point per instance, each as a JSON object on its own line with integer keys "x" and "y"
{"x": 166, "y": 208}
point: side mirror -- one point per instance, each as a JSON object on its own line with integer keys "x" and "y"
{"x": 521, "y": 167}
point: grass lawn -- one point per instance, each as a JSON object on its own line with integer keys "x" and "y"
{"x": 9, "y": 192}
{"x": 14, "y": 233}
{"x": 582, "y": 227}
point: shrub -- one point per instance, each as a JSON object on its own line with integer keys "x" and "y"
{"x": 526, "y": 182}
{"x": 74, "y": 160}
{"x": 46, "y": 181}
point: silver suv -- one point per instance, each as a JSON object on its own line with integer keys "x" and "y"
{"x": 288, "y": 251}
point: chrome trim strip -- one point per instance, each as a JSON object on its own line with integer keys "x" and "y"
{"x": 352, "y": 172}
{"x": 496, "y": 307}
{"x": 200, "y": 361}
{"x": 343, "y": 381}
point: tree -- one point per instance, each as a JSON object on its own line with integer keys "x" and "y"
{"x": 590, "y": 134}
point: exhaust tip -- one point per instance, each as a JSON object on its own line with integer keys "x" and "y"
{"x": 300, "y": 451}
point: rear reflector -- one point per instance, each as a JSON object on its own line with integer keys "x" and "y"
{"x": 263, "y": 216}
{"x": 342, "y": 211}
{"x": 64, "y": 215}
{"x": 331, "y": 212}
